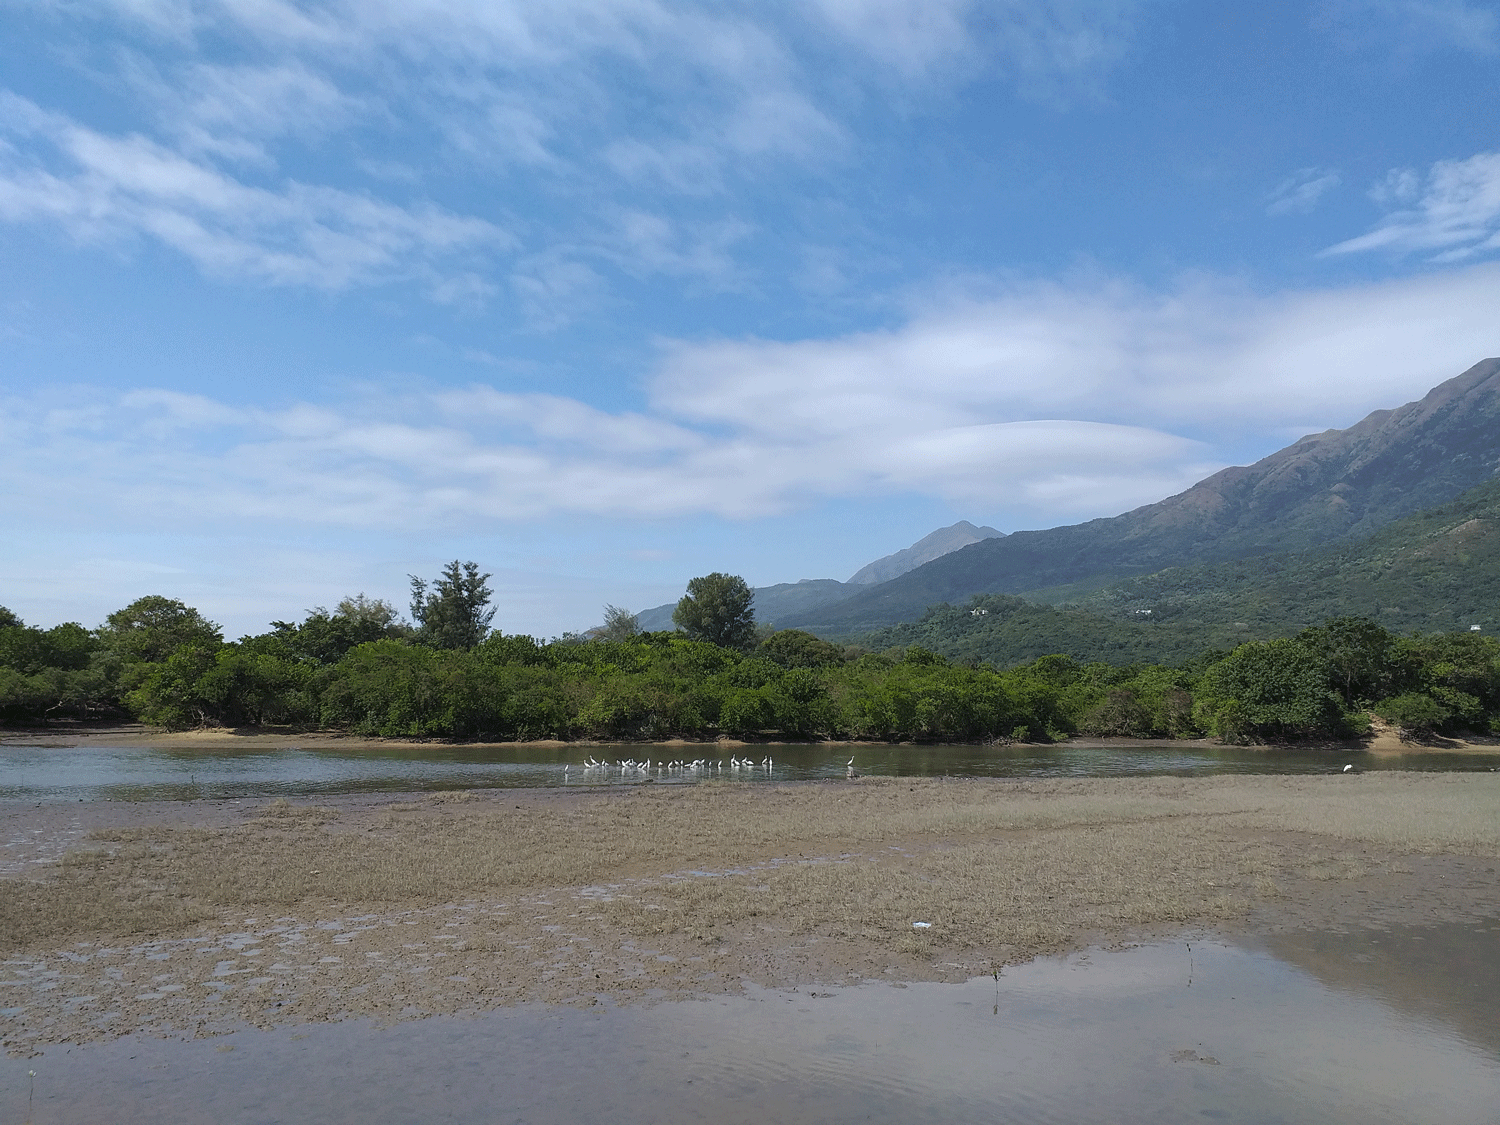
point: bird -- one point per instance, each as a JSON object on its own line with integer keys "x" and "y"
{"x": 1347, "y": 769}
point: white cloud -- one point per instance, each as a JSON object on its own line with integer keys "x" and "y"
{"x": 239, "y": 129}
{"x": 1300, "y": 192}
{"x": 1203, "y": 356}
{"x": 232, "y": 110}
{"x": 100, "y": 187}
{"x": 1047, "y": 403}
{"x": 1456, "y": 212}
{"x": 1400, "y": 185}
{"x": 741, "y": 79}
{"x": 1047, "y": 46}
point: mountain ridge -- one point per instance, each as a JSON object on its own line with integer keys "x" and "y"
{"x": 1435, "y": 571}
{"x": 1323, "y": 487}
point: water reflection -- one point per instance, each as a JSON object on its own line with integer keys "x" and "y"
{"x": 1163, "y": 1033}
{"x": 179, "y": 773}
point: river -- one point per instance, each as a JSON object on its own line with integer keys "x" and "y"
{"x": 184, "y": 772}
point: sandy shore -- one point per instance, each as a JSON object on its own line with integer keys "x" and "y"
{"x": 194, "y": 918}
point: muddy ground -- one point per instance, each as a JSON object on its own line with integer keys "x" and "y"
{"x": 194, "y": 918}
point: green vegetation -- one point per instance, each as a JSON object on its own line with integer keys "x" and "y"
{"x": 452, "y": 614}
{"x": 359, "y": 669}
{"x": 1436, "y": 570}
{"x": 718, "y": 608}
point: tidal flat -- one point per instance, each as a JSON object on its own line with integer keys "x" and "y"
{"x": 200, "y": 918}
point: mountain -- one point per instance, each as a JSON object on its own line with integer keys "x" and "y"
{"x": 1436, "y": 571}
{"x": 943, "y": 541}
{"x": 773, "y": 604}
{"x": 1337, "y": 485}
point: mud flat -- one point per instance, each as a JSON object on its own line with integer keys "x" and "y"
{"x": 196, "y": 918}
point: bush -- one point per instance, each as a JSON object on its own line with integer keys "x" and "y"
{"x": 1413, "y": 712}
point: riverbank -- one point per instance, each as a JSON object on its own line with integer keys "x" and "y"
{"x": 1383, "y": 739}
{"x": 197, "y": 917}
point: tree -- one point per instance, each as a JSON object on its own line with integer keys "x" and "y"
{"x": 9, "y": 620}
{"x": 792, "y": 648}
{"x": 452, "y": 614}
{"x": 619, "y": 624}
{"x": 150, "y": 629}
{"x": 326, "y": 637}
{"x": 1357, "y": 652}
{"x": 1276, "y": 689}
{"x": 718, "y": 608}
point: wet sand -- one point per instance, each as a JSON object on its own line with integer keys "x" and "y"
{"x": 196, "y": 918}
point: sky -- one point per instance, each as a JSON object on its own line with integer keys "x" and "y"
{"x": 300, "y": 298}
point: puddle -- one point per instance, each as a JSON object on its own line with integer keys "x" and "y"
{"x": 1334, "y": 1029}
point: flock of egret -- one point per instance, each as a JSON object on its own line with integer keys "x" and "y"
{"x": 630, "y": 769}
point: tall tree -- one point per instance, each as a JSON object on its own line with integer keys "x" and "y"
{"x": 150, "y": 629}
{"x": 619, "y": 624}
{"x": 451, "y": 613}
{"x": 326, "y": 637}
{"x": 718, "y": 608}
{"x": 1357, "y": 653}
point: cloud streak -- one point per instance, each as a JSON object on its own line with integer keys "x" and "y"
{"x": 107, "y": 188}
{"x": 1045, "y": 403}
{"x": 1300, "y": 192}
{"x": 602, "y": 107}
{"x": 1455, "y": 212}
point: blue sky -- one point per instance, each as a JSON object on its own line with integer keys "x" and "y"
{"x": 299, "y": 298}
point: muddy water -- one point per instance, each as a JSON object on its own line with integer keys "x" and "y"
{"x": 1367, "y": 1028}
{"x": 142, "y": 773}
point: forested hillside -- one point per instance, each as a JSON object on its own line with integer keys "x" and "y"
{"x": 1437, "y": 571}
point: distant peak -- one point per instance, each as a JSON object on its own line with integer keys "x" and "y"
{"x": 943, "y": 541}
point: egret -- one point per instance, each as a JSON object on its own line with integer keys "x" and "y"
{"x": 1347, "y": 769}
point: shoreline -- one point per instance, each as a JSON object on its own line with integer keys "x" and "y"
{"x": 193, "y": 918}
{"x": 1382, "y": 742}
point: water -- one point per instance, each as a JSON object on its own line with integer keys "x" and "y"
{"x": 141, "y": 773}
{"x": 1328, "y": 1031}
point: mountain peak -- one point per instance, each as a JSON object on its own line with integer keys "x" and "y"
{"x": 943, "y": 541}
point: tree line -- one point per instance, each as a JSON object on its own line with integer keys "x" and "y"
{"x": 446, "y": 673}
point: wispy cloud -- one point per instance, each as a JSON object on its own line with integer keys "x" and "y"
{"x": 1455, "y": 211}
{"x": 99, "y": 187}
{"x": 1299, "y": 193}
{"x": 1046, "y": 402}
{"x": 1047, "y": 47}
{"x": 601, "y": 107}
